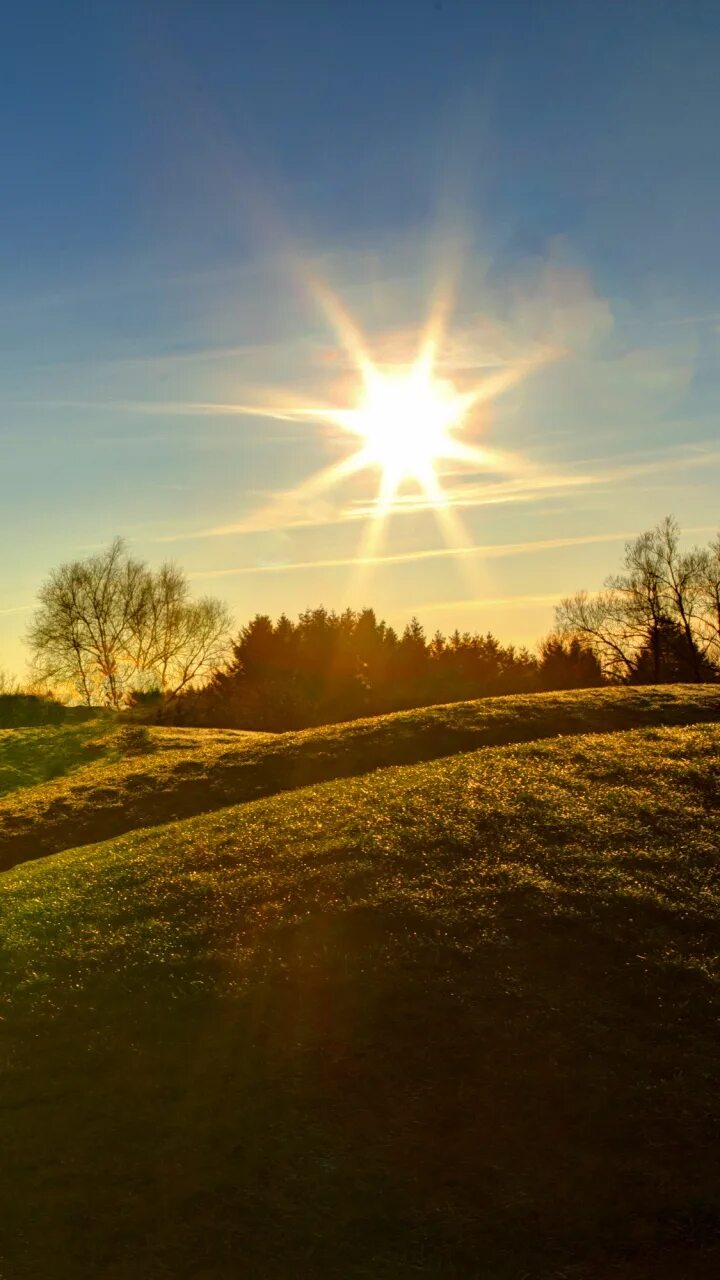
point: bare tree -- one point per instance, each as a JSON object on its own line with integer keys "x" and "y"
{"x": 182, "y": 639}
{"x": 82, "y": 631}
{"x": 660, "y": 615}
{"x": 639, "y": 603}
{"x": 107, "y": 625}
{"x": 9, "y": 685}
{"x": 709, "y": 578}
{"x": 682, "y": 589}
{"x": 599, "y": 621}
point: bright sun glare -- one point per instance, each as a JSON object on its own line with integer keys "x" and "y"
{"x": 406, "y": 418}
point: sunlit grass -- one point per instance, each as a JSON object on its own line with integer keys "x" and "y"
{"x": 38, "y": 754}
{"x": 454, "y": 1019}
{"x": 193, "y": 770}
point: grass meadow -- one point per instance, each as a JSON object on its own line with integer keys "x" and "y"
{"x": 130, "y": 776}
{"x": 452, "y": 1017}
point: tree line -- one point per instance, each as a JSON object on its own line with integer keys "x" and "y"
{"x": 331, "y": 666}
{"x": 658, "y": 620}
{"x": 111, "y": 631}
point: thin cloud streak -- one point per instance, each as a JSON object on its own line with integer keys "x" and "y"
{"x": 508, "y": 601}
{"x": 536, "y": 487}
{"x": 271, "y": 519}
{"x": 489, "y": 551}
{"x": 157, "y": 359}
{"x": 712, "y": 318}
{"x": 183, "y": 409}
{"x": 546, "y": 486}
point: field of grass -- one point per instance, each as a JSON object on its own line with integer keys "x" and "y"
{"x": 190, "y": 771}
{"x": 456, "y": 1019}
{"x": 38, "y": 754}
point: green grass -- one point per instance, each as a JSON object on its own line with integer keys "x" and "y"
{"x": 200, "y": 770}
{"x": 37, "y": 754}
{"x": 32, "y": 755}
{"x": 455, "y": 1020}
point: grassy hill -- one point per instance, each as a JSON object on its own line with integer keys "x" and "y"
{"x": 453, "y": 1019}
{"x": 38, "y": 754}
{"x": 181, "y": 772}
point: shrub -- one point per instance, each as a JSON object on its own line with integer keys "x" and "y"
{"x": 135, "y": 740}
{"x": 20, "y": 709}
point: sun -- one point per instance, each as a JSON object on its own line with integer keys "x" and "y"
{"x": 408, "y": 418}
{"x": 405, "y": 419}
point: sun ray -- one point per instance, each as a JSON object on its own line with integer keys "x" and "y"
{"x": 497, "y": 383}
{"x": 341, "y": 321}
{"x": 316, "y": 484}
{"x": 332, "y": 475}
{"x": 405, "y": 421}
{"x": 451, "y": 528}
{"x": 435, "y": 327}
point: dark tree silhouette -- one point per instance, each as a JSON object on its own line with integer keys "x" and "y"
{"x": 659, "y": 619}
{"x": 337, "y": 666}
{"x": 568, "y": 664}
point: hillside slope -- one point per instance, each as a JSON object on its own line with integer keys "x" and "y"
{"x": 36, "y": 754}
{"x": 454, "y": 1020}
{"x": 105, "y": 799}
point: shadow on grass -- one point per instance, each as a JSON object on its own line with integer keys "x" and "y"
{"x": 73, "y": 812}
{"x": 380, "y": 1092}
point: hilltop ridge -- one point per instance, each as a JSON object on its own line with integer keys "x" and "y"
{"x": 179, "y": 773}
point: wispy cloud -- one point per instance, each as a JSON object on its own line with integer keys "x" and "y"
{"x": 285, "y": 513}
{"x": 481, "y": 551}
{"x": 185, "y": 408}
{"x": 712, "y": 318}
{"x": 507, "y": 601}
{"x": 536, "y": 486}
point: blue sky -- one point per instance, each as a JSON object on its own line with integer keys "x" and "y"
{"x": 175, "y": 176}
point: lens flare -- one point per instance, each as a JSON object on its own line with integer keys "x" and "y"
{"x": 405, "y": 419}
